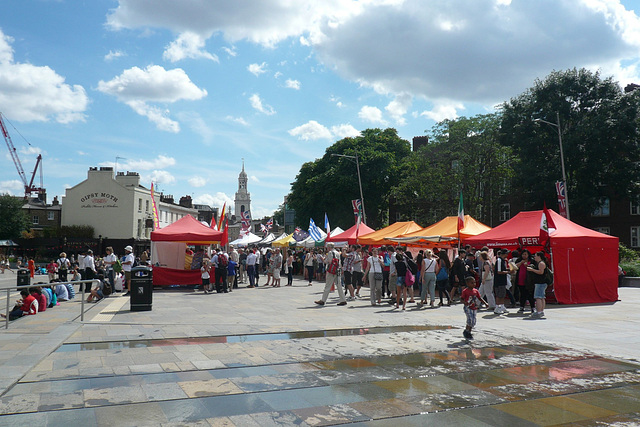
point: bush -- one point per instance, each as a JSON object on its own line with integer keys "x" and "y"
{"x": 626, "y": 254}
{"x": 632, "y": 268}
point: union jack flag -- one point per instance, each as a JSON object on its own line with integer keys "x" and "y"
{"x": 297, "y": 230}
{"x": 562, "y": 198}
{"x": 269, "y": 224}
{"x": 263, "y": 229}
{"x": 245, "y": 218}
{"x": 357, "y": 208}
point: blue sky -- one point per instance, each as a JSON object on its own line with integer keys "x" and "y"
{"x": 182, "y": 91}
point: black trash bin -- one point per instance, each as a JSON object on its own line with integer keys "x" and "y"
{"x": 24, "y": 277}
{"x": 141, "y": 288}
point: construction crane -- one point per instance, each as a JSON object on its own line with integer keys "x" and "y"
{"x": 29, "y": 188}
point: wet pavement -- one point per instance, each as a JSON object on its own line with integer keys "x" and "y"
{"x": 270, "y": 357}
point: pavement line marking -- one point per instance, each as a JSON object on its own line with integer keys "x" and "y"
{"x": 110, "y": 310}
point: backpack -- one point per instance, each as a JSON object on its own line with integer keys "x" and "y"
{"x": 106, "y": 288}
{"x": 387, "y": 259}
{"x": 334, "y": 265}
{"x": 412, "y": 266}
{"x": 222, "y": 261}
{"x": 548, "y": 276}
{"x": 117, "y": 266}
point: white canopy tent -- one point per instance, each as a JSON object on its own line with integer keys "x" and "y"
{"x": 267, "y": 239}
{"x": 246, "y": 240}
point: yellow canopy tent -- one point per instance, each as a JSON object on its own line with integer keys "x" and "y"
{"x": 382, "y": 236}
{"x": 283, "y": 242}
{"x": 443, "y": 233}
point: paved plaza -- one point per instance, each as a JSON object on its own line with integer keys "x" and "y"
{"x": 270, "y": 356}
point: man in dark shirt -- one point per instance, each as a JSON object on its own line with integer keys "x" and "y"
{"x": 500, "y": 281}
{"x": 458, "y": 270}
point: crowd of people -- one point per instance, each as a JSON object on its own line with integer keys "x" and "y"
{"x": 39, "y": 298}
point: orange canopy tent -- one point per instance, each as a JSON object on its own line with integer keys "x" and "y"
{"x": 443, "y": 233}
{"x": 349, "y": 235}
{"x": 381, "y": 237}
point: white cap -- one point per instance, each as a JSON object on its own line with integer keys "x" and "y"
{"x": 128, "y": 249}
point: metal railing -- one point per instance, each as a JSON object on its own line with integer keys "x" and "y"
{"x": 74, "y": 282}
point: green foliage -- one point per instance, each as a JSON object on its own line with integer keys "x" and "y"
{"x": 462, "y": 154}
{"x": 627, "y": 254}
{"x": 599, "y": 125}
{"x": 632, "y": 268}
{"x": 13, "y": 221}
{"x": 330, "y": 183}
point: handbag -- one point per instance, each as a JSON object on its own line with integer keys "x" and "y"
{"x": 442, "y": 274}
{"x": 409, "y": 278}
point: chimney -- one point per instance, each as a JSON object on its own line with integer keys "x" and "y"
{"x": 185, "y": 201}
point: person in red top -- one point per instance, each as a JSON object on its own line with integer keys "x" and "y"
{"x": 39, "y": 296}
{"x": 52, "y": 269}
{"x": 472, "y": 300}
{"x": 23, "y": 306}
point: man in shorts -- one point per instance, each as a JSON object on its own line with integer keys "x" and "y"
{"x": 277, "y": 266}
{"x": 127, "y": 264}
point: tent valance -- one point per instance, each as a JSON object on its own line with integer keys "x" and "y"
{"x": 444, "y": 231}
{"x": 349, "y": 235}
{"x": 383, "y": 236}
{"x": 188, "y": 230}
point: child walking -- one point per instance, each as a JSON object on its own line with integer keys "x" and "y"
{"x": 205, "y": 274}
{"x": 472, "y": 300}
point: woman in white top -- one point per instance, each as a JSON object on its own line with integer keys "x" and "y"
{"x": 108, "y": 261}
{"x": 374, "y": 276}
{"x": 429, "y": 264}
{"x": 486, "y": 285}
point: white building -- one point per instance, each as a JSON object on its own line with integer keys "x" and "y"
{"x": 118, "y": 208}
{"x": 243, "y": 197}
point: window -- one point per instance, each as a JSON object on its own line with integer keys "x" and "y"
{"x": 146, "y": 206}
{"x": 604, "y": 230}
{"x": 635, "y": 207}
{"x": 505, "y": 187}
{"x": 51, "y": 216}
{"x": 635, "y": 237}
{"x": 35, "y": 219}
{"x": 398, "y": 216}
{"x": 505, "y": 212}
{"x": 139, "y": 205}
{"x": 603, "y": 210}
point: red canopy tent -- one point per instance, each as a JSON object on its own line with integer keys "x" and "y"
{"x": 349, "y": 235}
{"x": 168, "y": 250}
{"x": 585, "y": 262}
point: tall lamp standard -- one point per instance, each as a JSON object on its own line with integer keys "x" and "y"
{"x": 564, "y": 175}
{"x": 357, "y": 162}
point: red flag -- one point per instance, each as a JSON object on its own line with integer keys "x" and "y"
{"x": 460, "y": 214}
{"x": 222, "y": 215}
{"x": 225, "y": 233}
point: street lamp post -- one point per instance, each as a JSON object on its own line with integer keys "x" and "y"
{"x": 564, "y": 175}
{"x": 357, "y": 162}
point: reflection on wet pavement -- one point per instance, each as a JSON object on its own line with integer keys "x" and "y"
{"x": 110, "y": 345}
{"x": 525, "y": 384}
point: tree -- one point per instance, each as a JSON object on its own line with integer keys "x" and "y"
{"x": 330, "y": 183}
{"x": 462, "y": 155}
{"x": 599, "y": 125}
{"x": 13, "y": 220}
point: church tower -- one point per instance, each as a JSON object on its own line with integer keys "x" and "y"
{"x": 243, "y": 198}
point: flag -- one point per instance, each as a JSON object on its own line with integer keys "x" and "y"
{"x": 357, "y": 208}
{"x": 245, "y": 218}
{"x": 156, "y": 219}
{"x": 270, "y": 224}
{"x": 225, "y": 233}
{"x": 213, "y": 224}
{"x": 222, "y": 215}
{"x": 314, "y": 231}
{"x": 326, "y": 224}
{"x": 547, "y": 226}
{"x": 562, "y": 198}
{"x": 460, "y": 214}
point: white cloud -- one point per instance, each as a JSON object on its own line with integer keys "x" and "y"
{"x": 256, "y": 103}
{"x": 443, "y": 110}
{"x": 113, "y": 54}
{"x": 254, "y": 178}
{"x": 137, "y": 88}
{"x": 277, "y": 75}
{"x": 159, "y": 162}
{"x": 197, "y": 181}
{"x": 238, "y": 120}
{"x": 311, "y": 131}
{"x": 188, "y": 45}
{"x": 231, "y": 51}
{"x": 344, "y": 131}
{"x": 292, "y": 84}
{"x": 198, "y": 125}
{"x": 257, "y": 69}
{"x": 13, "y": 187}
{"x": 37, "y": 93}
{"x": 398, "y": 108}
{"x": 216, "y": 200}
{"x": 161, "y": 177}
{"x": 371, "y": 114}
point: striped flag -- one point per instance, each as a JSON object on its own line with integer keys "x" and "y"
{"x": 326, "y": 224}
{"x": 222, "y": 215}
{"x": 562, "y": 198}
{"x": 357, "y": 208}
{"x": 314, "y": 231}
{"x": 547, "y": 226}
{"x": 156, "y": 219}
{"x": 460, "y": 214}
